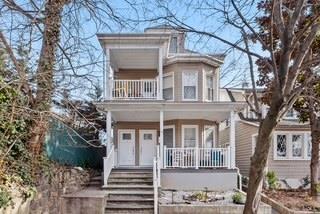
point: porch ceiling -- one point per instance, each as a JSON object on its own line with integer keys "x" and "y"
{"x": 142, "y": 58}
{"x": 218, "y": 111}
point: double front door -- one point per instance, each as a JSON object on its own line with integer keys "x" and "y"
{"x": 127, "y": 144}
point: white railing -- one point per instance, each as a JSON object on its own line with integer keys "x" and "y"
{"x": 196, "y": 157}
{"x": 108, "y": 164}
{"x": 134, "y": 89}
{"x": 155, "y": 184}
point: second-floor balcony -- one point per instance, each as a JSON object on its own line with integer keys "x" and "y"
{"x": 134, "y": 89}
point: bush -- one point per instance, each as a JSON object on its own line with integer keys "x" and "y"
{"x": 5, "y": 198}
{"x": 273, "y": 181}
{"x": 238, "y": 198}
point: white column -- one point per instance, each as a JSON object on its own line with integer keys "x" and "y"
{"x": 161, "y": 139}
{"x": 160, "y": 72}
{"x": 108, "y": 127}
{"x": 232, "y": 138}
{"x": 107, "y": 86}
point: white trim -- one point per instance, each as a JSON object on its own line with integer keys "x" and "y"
{"x": 289, "y": 145}
{"x": 166, "y": 75}
{"x": 160, "y": 72}
{"x": 182, "y": 134}
{"x": 174, "y": 133}
{"x": 141, "y": 132}
{"x": 205, "y": 88}
{"x": 197, "y": 82}
{"x": 133, "y": 131}
{"x": 204, "y": 135}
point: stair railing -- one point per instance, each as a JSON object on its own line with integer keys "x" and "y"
{"x": 155, "y": 183}
{"x": 108, "y": 164}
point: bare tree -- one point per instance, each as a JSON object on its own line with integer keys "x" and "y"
{"x": 281, "y": 46}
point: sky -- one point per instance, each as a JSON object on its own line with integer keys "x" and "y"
{"x": 80, "y": 27}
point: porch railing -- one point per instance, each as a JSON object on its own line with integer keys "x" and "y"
{"x": 135, "y": 89}
{"x": 196, "y": 157}
{"x": 108, "y": 164}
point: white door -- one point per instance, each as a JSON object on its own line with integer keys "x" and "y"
{"x": 126, "y": 147}
{"x": 147, "y": 142}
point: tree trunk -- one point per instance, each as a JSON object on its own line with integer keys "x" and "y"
{"x": 45, "y": 71}
{"x": 259, "y": 159}
{"x": 314, "y": 164}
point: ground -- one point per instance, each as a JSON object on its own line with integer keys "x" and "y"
{"x": 294, "y": 199}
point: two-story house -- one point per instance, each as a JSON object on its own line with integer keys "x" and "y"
{"x": 290, "y": 151}
{"x": 162, "y": 103}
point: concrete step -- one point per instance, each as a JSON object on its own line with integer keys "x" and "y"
{"x": 129, "y": 202}
{"x": 96, "y": 178}
{"x": 131, "y": 175}
{"x": 124, "y": 179}
{"x": 133, "y": 197}
{"x": 129, "y": 186}
{"x": 131, "y": 207}
{"x": 123, "y": 211}
{"x": 131, "y": 192}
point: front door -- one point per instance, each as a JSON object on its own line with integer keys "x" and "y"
{"x": 126, "y": 147}
{"x": 148, "y": 140}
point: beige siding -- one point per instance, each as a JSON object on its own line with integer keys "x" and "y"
{"x": 288, "y": 168}
{"x": 224, "y": 136}
{"x": 244, "y": 134}
{"x": 135, "y": 74}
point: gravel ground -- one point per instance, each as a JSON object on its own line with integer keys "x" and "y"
{"x": 190, "y": 197}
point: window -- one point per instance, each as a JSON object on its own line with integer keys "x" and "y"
{"x": 173, "y": 45}
{"x": 190, "y": 136}
{"x": 281, "y": 145}
{"x": 292, "y": 145}
{"x": 168, "y": 87}
{"x": 190, "y": 85}
{"x": 209, "y": 87}
{"x": 147, "y": 136}
{"x": 309, "y": 145}
{"x": 126, "y": 136}
{"x": 208, "y": 137}
{"x": 291, "y": 114}
{"x": 296, "y": 145}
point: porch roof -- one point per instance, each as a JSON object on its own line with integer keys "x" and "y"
{"x": 149, "y": 111}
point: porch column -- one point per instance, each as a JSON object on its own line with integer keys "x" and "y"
{"x": 160, "y": 72}
{"x": 161, "y": 139}
{"x": 106, "y": 75}
{"x": 232, "y": 138}
{"x": 108, "y": 127}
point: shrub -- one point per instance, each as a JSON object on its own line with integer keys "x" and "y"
{"x": 238, "y": 198}
{"x": 273, "y": 180}
{"x": 5, "y": 198}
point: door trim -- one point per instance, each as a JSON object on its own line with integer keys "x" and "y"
{"x": 140, "y": 143}
{"x": 133, "y": 131}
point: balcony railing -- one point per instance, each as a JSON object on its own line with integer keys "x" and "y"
{"x": 135, "y": 89}
{"x": 196, "y": 157}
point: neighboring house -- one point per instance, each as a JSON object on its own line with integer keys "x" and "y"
{"x": 290, "y": 150}
{"x": 162, "y": 101}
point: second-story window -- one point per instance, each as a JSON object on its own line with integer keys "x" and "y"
{"x": 209, "y": 87}
{"x": 173, "y": 45}
{"x": 168, "y": 87}
{"x": 190, "y": 85}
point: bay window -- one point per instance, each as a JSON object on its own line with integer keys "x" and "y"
{"x": 190, "y": 85}
{"x": 168, "y": 87}
{"x": 209, "y": 137}
{"x": 189, "y": 136}
{"x": 209, "y": 88}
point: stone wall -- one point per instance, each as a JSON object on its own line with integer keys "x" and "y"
{"x": 50, "y": 188}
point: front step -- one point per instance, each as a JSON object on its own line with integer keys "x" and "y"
{"x": 130, "y": 191}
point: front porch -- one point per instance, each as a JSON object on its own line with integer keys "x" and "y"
{"x": 177, "y": 135}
